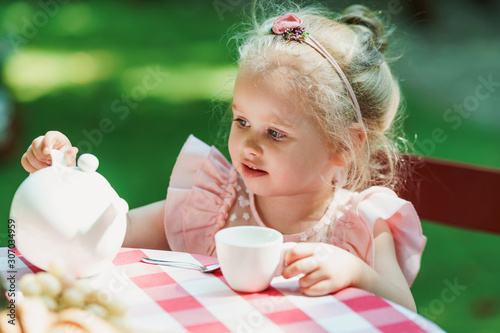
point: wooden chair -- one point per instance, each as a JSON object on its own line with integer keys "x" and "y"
{"x": 455, "y": 194}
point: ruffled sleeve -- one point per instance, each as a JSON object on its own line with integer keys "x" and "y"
{"x": 202, "y": 190}
{"x": 382, "y": 203}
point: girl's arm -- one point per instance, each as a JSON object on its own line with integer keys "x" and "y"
{"x": 145, "y": 227}
{"x": 386, "y": 279}
{"x": 328, "y": 269}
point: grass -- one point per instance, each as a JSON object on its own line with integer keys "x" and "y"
{"x": 68, "y": 76}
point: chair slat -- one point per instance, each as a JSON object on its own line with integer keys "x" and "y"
{"x": 455, "y": 194}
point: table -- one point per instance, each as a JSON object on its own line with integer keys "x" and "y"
{"x": 171, "y": 299}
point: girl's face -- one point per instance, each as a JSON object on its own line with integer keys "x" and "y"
{"x": 275, "y": 146}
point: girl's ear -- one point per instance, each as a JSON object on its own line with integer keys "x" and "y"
{"x": 338, "y": 158}
{"x": 358, "y": 134}
{"x": 343, "y": 155}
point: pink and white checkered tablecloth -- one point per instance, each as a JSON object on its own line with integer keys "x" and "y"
{"x": 170, "y": 299}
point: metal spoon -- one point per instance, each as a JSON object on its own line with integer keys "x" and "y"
{"x": 207, "y": 269}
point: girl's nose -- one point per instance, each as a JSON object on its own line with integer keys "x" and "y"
{"x": 251, "y": 146}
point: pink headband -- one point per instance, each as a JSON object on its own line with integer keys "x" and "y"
{"x": 289, "y": 25}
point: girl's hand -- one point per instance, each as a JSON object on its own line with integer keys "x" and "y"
{"x": 326, "y": 268}
{"x": 38, "y": 154}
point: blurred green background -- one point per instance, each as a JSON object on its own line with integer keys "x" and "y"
{"x": 152, "y": 70}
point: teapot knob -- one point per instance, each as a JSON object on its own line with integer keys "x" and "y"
{"x": 88, "y": 163}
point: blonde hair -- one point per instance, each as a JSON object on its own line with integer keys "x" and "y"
{"x": 357, "y": 40}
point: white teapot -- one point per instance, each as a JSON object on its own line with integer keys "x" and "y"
{"x": 69, "y": 214}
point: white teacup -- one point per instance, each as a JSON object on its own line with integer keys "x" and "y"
{"x": 250, "y": 256}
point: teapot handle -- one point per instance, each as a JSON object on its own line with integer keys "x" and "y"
{"x": 58, "y": 159}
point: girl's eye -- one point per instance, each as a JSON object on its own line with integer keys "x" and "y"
{"x": 241, "y": 122}
{"x": 276, "y": 135}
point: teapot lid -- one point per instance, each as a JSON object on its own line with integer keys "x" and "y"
{"x": 86, "y": 162}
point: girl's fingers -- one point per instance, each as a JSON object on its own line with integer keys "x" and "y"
{"x": 26, "y": 164}
{"x": 312, "y": 278}
{"x": 299, "y": 251}
{"x": 36, "y": 149}
{"x": 38, "y": 154}
{"x": 59, "y": 141}
{"x": 320, "y": 288}
{"x": 70, "y": 156}
{"x": 55, "y": 140}
{"x": 302, "y": 266}
{"x": 300, "y": 259}
{"x": 33, "y": 161}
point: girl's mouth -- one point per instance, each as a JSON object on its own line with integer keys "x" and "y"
{"x": 250, "y": 171}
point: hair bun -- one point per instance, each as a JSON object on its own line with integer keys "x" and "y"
{"x": 363, "y": 16}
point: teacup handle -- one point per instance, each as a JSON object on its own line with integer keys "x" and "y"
{"x": 285, "y": 247}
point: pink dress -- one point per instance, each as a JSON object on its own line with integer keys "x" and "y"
{"x": 206, "y": 194}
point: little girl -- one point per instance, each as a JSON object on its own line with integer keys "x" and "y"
{"x": 313, "y": 109}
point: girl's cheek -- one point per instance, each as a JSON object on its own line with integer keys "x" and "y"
{"x": 232, "y": 144}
